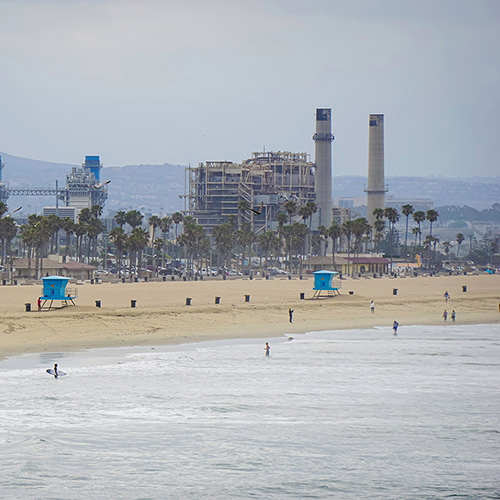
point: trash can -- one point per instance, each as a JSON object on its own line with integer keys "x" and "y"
{"x": 188, "y": 301}
{"x": 217, "y": 300}
{"x": 123, "y": 280}
{"x": 146, "y": 279}
{"x": 464, "y": 288}
{"x": 164, "y": 278}
{"x": 247, "y": 298}
{"x": 133, "y": 303}
{"x": 351, "y": 292}
{"x": 28, "y": 307}
{"x": 394, "y": 291}
{"x": 98, "y": 303}
{"x": 302, "y": 296}
{"x": 172, "y": 278}
{"x": 91, "y": 281}
{"x": 289, "y": 276}
{"x": 136, "y": 280}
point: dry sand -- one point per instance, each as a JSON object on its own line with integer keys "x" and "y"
{"x": 162, "y": 316}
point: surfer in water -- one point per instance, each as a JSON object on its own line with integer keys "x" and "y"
{"x": 55, "y": 370}
{"x": 268, "y": 350}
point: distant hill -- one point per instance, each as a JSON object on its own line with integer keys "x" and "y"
{"x": 156, "y": 188}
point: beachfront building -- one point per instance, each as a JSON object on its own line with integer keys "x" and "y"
{"x": 53, "y": 266}
{"x": 363, "y": 264}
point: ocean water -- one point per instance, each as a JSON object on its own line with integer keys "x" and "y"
{"x": 356, "y": 414}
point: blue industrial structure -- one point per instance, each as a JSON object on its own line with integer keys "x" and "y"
{"x": 54, "y": 288}
{"x": 83, "y": 187}
{"x": 326, "y": 281}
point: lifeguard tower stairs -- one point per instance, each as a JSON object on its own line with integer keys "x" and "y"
{"x": 54, "y": 288}
{"x": 326, "y": 281}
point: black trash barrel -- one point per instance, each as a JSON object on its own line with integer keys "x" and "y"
{"x": 217, "y": 300}
{"x": 188, "y": 301}
{"x": 247, "y": 298}
{"x": 98, "y": 303}
{"x": 394, "y": 291}
{"x": 28, "y": 307}
{"x": 123, "y": 280}
{"x": 302, "y": 296}
{"x": 464, "y": 288}
{"x": 133, "y": 303}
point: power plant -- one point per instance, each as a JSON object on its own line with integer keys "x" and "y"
{"x": 268, "y": 179}
{"x": 83, "y": 189}
{"x": 375, "y": 192}
{"x": 219, "y": 189}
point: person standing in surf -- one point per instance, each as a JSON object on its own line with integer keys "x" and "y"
{"x": 395, "y": 327}
{"x": 55, "y": 371}
{"x": 268, "y": 350}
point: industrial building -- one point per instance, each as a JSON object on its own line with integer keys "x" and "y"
{"x": 267, "y": 179}
{"x": 83, "y": 190}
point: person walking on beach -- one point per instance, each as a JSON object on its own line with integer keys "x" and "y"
{"x": 372, "y": 307}
{"x": 445, "y": 314}
{"x": 453, "y": 315}
{"x": 446, "y": 296}
{"x": 39, "y": 303}
{"x": 268, "y": 350}
{"x": 290, "y": 315}
{"x": 395, "y": 327}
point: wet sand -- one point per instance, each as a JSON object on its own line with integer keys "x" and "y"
{"x": 161, "y": 315}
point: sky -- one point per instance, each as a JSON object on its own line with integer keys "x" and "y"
{"x": 189, "y": 81}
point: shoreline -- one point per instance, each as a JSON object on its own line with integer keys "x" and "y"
{"x": 163, "y": 318}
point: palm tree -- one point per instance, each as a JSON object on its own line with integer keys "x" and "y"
{"x": 446, "y": 245}
{"x": 134, "y": 218}
{"x": 379, "y": 226}
{"x": 406, "y": 210}
{"x": 224, "y": 239}
{"x": 243, "y": 206}
{"x": 416, "y": 231}
{"x": 431, "y": 216}
{"x": 268, "y": 241}
{"x": 306, "y": 212}
{"x": 8, "y": 230}
{"x": 334, "y": 232}
{"x": 347, "y": 229}
{"x": 119, "y": 239}
{"x": 419, "y": 217}
{"x": 165, "y": 225}
{"x": 137, "y": 240}
{"x": 324, "y": 234}
{"x": 69, "y": 228}
{"x": 245, "y": 238}
{"x": 154, "y": 222}
{"x": 378, "y": 213}
{"x": 121, "y": 218}
{"x": 460, "y": 239}
{"x": 290, "y": 209}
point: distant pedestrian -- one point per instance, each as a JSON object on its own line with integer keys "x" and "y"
{"x": 39, "y": 303}
{"x": 446, "y": 296}
{"x": 395, "y": 327}
{"x": 268, "y": 350}
{"x": 453, "y": 315}
{"x": 372, "y": 307}
{"x": 290, "y": 315}
{"x": 445, "y": 314}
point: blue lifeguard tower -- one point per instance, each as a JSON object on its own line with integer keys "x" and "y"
{"x": 326, "y": 281}
{"x": 54, "y": 288}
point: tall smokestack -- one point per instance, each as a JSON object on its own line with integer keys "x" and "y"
{"x": 375, "y": 192}
{"x": 323, "y": 158}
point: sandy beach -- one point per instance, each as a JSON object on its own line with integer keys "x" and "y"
{"x": 161, "y": 315}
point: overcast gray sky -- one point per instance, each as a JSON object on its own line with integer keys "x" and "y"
{"x": 186, "y": 81}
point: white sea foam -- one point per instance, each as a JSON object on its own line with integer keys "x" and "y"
{"x": 341, "y": 414}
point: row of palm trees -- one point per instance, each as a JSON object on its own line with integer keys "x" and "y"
{"x": 40, "y": 235}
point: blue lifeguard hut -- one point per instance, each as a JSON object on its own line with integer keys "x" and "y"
{"x": 54, "y": 288}
{"x": 326, "y": 281}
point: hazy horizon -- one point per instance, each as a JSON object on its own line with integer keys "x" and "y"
{"x": 185, "y": 82}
